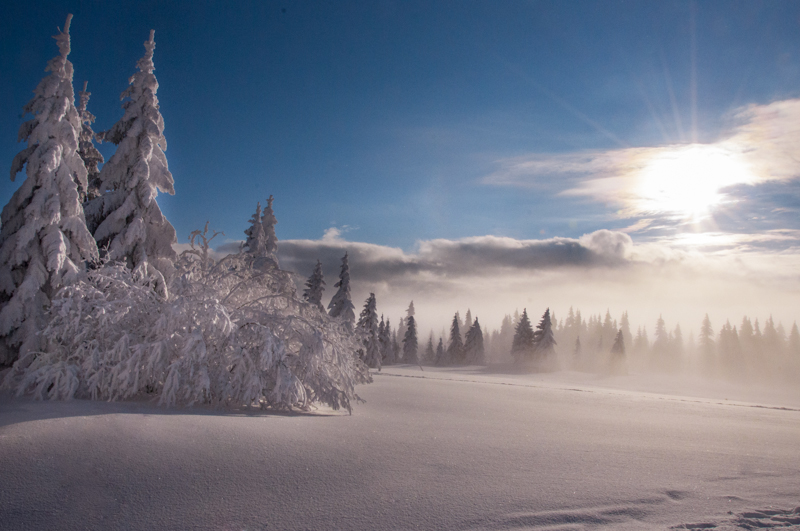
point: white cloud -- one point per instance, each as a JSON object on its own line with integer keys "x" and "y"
{"x": 681, "y": 278}
{"x": 674, "y": 181}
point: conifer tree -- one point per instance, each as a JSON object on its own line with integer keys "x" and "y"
{"x": 543, "y": 339}
{"x": 618, "y": 349}
{"x": 707, "y": 346}
{"x": 522, "y": 346}
{"x": 794, "y": 344}
{"x": 441, "y": 354}
{"x": 315, "y": 286}
{"x": 577, "y": 352}
{"x": 455, "y": 350}
{"x": 368, "y": 330}
{"x": 430, "y": 352}
{"x": 133, "y": 228}
{"x": 255, "y": 242}
{"x": 625, "y": 326}
{"x": 268, "y": 222}
{"x": 385, "y": 338}
{"x": 473, "y": 346}
{"x": 44, "y": 242}
{"x": 410, "y": 345}
{"x": 86, "y": 149}
{"x": 341, "y": 305}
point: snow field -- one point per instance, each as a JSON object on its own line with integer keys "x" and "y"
{"x": 432, "y": 449}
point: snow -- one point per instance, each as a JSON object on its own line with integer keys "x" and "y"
{"x": 443, "y": 448}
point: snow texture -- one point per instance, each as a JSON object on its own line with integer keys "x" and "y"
{"x": 445, "y": 449}
{"x": 133, "y": 228}
{"x": 44, "y": 243}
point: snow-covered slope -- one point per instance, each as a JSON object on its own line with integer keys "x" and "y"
{"x": 432, "y": 449}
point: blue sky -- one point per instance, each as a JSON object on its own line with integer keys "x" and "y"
{"x": 393, "y": 124}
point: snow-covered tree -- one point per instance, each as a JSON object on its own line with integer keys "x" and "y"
{"x": 133, "y": 228}
{"x": 455, "y": 350}
{"x": 268, "y": 222}
{"x": 44, "y": 242}
{"x": 410, "y": 345}
{"x": 341, "y": 305}
{"x": 237, "y": 336}
{"x": 86, "y": 149}
{"x": 315, "y": 286}
{"x": 367, "y": 328}
{"x": 255, "y": 243}
{"x": 473, "y": 345}
{"x": 196, "y": 261}
{"x": 522, "y": 345}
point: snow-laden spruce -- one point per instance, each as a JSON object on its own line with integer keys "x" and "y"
{"x": 268, "y": 222}
{"x": 255, "y": 243}
{"x": 315, "y": 286}
{"x": 44, "y": 243}
{"x": 86, "y": 149}
{"x": 410, "y": 344}
{"x": 133, "y": 228}
{"x": 367, "y": 330}
{"x": 237, "y": 336}
{"x": 341, "y": 305}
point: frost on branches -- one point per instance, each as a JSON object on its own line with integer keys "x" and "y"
{"x": 133, "y": 229}
{"x": 44, "y": 242}
{"x": 237, "y": 336}
{"x": 86, "y": 149}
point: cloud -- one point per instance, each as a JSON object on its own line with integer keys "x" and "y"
{"x": 678, "y": 182}
{"x": 682, "y": 277}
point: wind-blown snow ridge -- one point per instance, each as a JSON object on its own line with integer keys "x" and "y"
{"x": 763, "y": 519}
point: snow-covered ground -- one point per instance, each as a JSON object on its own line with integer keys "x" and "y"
{"x": 465, "y": 448}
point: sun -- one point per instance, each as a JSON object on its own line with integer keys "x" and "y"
{"x": 686, "y": 181}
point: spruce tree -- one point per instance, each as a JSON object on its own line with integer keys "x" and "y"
{"x": 268, "y": 222}
{"x": 368, "y": 330}
{"x": 255, "y": 242}
{"x": 341, "y": 305}
{"x": 410, "y": 345}
{"x": 707, "y": 346}
{"x": 133, "y": 228}
{"x": 473, "y": 346}
{"x": 44, "y": 242}
{"x": 543, "y": 339}
{"x": 618, "y": 349}
{"x": 385, "y": 338}
{"x": 315, "y": 286}
{"x": 441, "y": 354}
{"x": 577, "y": 353}
{"x": 455, "y": 350}
{"x": 86, "y": 149}
{"x": 522, "y": 346}
{"x": 430, "y": 352}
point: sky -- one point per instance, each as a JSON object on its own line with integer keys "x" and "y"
{"x": 639, "y": 156}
